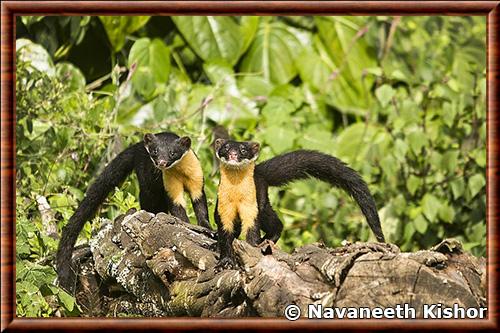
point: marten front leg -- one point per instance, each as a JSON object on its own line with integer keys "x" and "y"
{"x": 179, "y": 212}
{"x": 270, "y": 223}
{"x": 225, "y": 238}
{"x": 201, "y": 210}
{"x": 253, "y": 235}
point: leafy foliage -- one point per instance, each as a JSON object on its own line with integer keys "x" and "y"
{"x": 401, "y": 100}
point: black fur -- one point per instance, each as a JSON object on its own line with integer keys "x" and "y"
{"x": 281, "y": 170}
{"x": 164, "y": 148}
{"x": 301, "y": 164}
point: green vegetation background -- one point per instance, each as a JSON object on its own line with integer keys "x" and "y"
{"x": 401, "y": 100}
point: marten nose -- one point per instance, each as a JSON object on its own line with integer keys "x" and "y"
{"x": 162, "y": 163}
{"x": 233, "y": 155}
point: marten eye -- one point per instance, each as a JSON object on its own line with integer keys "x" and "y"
{"x": 171, "y": 154}
{"x": 243, "y": 150}
{"x": 154, "y": 152}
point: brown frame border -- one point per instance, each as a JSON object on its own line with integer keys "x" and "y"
{"x": 9, "y": 9}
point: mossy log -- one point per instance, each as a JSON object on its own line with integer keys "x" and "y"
{"x": 155, "y": 265}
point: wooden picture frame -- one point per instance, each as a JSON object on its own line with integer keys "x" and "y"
{"x": 11, "y": 9}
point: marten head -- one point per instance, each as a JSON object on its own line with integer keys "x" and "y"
{"x": 163, "y": 155}
{"x": 234, "y": 154}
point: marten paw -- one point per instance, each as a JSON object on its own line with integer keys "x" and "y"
{"x": 225, "y": 263}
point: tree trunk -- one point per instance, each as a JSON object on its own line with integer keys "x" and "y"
{"x": 148, "y": 265}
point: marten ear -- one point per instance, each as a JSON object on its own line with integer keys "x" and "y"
{"x": 149, "y": 138}
{"x": 255, "y": 146}
{"x": 218, "y": 143}
{"x": 185, "y": 142}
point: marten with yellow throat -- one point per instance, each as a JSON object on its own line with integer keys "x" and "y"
{"x": 242, "y": 197}
{"x": 165, "y": 165}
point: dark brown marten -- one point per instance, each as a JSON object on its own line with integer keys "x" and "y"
{"x": 242, "y": 199}
{"x": 165, "y": 166}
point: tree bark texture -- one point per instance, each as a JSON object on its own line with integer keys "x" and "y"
{"x": 147, "y": 265}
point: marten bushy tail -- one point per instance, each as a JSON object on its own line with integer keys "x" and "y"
{"x": 112, "y": 176}
{"x": 301, "y": 164}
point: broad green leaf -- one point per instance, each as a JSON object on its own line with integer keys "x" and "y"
{"x": 476, "y": 183}
{"x": 317, "y": 69}
{"x": 430, "y": 206}
{"x": 35, "y": 55}
{"x": 420, "y": 224}
{"x": 249, "y": 26}
{"x": 316, "y": 137}
{"x": 36, "y": 274}
{"x": 342, "y": 45}
{"x": 353, "y": 142}
{"x": 119, "y": 27}
{"x": 457, "y": 187}
{"x": 152, "y": 61}
{"x": 417, "y": 140}
{"x": 296, "y": 95}
{"x": 153, "y": 54}
{"x": 67, "y": 300}
{"x": 272, "y": 53}
{"x": 255, "y": 86}
{"x": 214, "y": 37}
{"x": 70, "y": 75}
{"x": 413, "y": 184}
{"x": 400, "y": 150}
{"x": 280, "y": 138}
{"x": 220, "y": 72}
{"x": 389, "y": 166}
{"x": 449, "y": 160}
{"x": 29, "y": 20}
{"x": 277, "y": 110}
{"x": 446, "y": 213}
{"x": 409, "y": 231}
{"x": 384, "y": 94}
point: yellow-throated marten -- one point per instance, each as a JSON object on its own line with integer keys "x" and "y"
{"x": 165, "y": 166}
{"x": 242, "y": 199}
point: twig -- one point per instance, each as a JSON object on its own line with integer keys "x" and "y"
{"x": 390, "y": 37}
{"x": 99, "y": 81}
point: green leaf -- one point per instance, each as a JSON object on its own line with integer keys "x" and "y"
{"x": 384, "y": 94}
{"x": 457, "y": 187}
{"x": 153, "y": 54}
{"x": 70, "y": 75}
{"x": 119, "y": 27}
{"x": 315, "y": 137}
{"x": 277, "y": 110}
{"x": 353, "y": 142}
{"x": 67, "y": 300}
{"x": 430, "y": 206}
{"x": 389, "y": 166}
{"x": 400, "y": 150}
{"x": 449, "y": 160}
{"x": 409, "y": 231}
{"x": 152, "y": 61}
{"x": 220, "y": 72}
{"x": 417, "y": 140}
{"x": 272, "y": 53}
{"x": 420, "y": 224}
{"x": 413, "y": 184}
{"x": 36, "y": 274}
{"x": 446, "y": 213}
{"x": 35, "y": 55}
{"x": 476, "y": 183}
{"x": 342, "y": 45}
{"x": 254, "y": 86}
{"x": 214, "y": 37}
{"x": 249, "y": 26}
{"x": 280, "y": 138}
